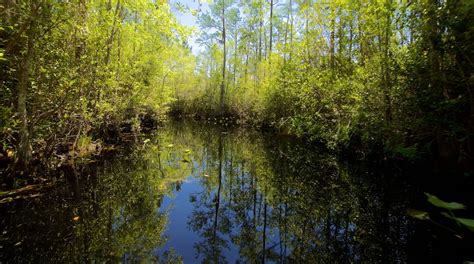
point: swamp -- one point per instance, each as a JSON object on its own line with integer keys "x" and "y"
{"x": 236, "y": 131}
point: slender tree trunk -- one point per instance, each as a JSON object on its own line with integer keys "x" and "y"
{"x": 332, "y": 39}
{"x": 247, "y": 51}
{"x": 332, "y": 44}
{"x": 285, "y": 41}
{"x": 271, "y": 27}
{"x": 24, "y": 147}
{"x": 264, "y": 229}
{"x": 119, "y": 50}
{"x": 387, "y": 81}
{"x": 235, "y": 58}
{"x": 361, "y": 43}
{"x": 112, "y": 34}
{"x": 218, "y": 195}
{"x": 222, "y": 94}
{"x": 351, "y": 36}
{"x": 260, "y": 27}
{"x": 340, "y": 35}
{"x": 291, "y": 29}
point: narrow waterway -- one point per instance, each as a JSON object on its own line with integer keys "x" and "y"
{"x": 202, "y": 193}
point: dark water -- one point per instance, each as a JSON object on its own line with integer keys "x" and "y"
{"x": 201, "y": 194}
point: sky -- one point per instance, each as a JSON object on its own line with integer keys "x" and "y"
{"x": 189, "y": 20}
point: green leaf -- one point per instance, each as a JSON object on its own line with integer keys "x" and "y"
{"x": 446, "y": 205}
{"x": 469, "y": 223}
{"x": 418, "y": 214}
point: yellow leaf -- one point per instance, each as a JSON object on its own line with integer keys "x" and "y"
{"x": 10, "y": 153}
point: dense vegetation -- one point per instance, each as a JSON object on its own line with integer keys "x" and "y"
{"x": 393, "y": 76}
{"x": 389, "y": 81}
{"x": 388, "y": 76}
{"x": 74, "y": 69}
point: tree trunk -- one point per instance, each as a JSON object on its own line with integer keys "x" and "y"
{"x": 332, "y": 39}
{"x": 332, "y": 44}
{"x": 351, "y": 36}
{"x": 235, "y": 58}
{"x": 340, "y": 34}
{"x": 271, "y": 26}
{"x": 112, "y": 34}
{"x": 264, "y": 229}
{"x": 223, "y": 62}
{"x": 285, "y": 42}
{"x": 24, "y": 147}
{"x": 291, "y": 28}
{"x": 260, "y": 26}
{"x": 387, "y": 81}
{"x": 218, "y": 195}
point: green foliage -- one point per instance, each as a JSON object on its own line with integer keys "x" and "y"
{"x": 450, "y": 206}
{"x": 86, "y": 64}
{"x": 392, "y": 76}
{"x": 442, "y": 204}
{"x": 83, "y": 142}
{"x": 8, "y": 126}
{"x": 379, "y": 77}
{"x": 410, "y": 153}
{"x": 469, "y": 223}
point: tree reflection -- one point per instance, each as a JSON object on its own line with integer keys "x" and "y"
{"x": 109, "y": 212}
{"x": 285, "y": 205}
{"x": 263, "y": 200}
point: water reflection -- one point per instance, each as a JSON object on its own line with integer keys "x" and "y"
{"x": 197, "y": 193}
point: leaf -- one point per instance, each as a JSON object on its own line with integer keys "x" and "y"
{"x": 187, "y": 151}
{"x": 170, "y": 145}
{"x": 469, "y": 223}
{"x": 418, "y": 214}
{"x": 446, "y": 205}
